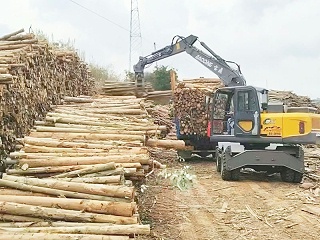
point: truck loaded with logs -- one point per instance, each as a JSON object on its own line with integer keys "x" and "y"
{"x": 234, "y": 120}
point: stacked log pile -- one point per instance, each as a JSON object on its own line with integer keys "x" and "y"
{"x": 291, "y": 99}
{"x": 113, "y": 88}
{"x": 33, "y": 75}
{"x": 74, "y": 172}
{"x": 190, "y": 104}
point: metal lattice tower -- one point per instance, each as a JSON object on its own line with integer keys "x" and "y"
{"x": 135, "y": 34}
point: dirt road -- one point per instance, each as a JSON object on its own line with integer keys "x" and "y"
{"x": 256, "y": 207}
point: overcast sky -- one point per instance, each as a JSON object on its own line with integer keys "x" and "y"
{"x": 277, "y": 43}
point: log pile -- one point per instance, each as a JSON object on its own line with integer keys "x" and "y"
{"x": 34, "y": 75}
{"x": 127, "y": 88}
{"x": 291, "y": 99}
{"x": 190, "y": 104}
{"x": 75, "y": 171}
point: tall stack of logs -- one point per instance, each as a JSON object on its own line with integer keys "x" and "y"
{"x": 33, "y": 75}
{"x": 190, "y": 104}
{"x": 74, "y": 172}
{"x": 190, "y": 98}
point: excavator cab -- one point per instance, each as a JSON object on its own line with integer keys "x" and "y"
{"x": 236, "y": 111}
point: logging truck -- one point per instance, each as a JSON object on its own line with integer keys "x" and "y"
{"x": 244, "y": 129}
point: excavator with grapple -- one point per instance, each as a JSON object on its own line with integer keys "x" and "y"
{"x": 244, "y": 129}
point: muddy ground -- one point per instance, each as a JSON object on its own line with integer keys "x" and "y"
{"x": 256, "y": 207}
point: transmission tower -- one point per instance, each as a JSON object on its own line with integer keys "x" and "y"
{"x": 135, "y": 34}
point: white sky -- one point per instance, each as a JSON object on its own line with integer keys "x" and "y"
{"x": 277, "y": 43}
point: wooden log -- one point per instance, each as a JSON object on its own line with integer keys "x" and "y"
{"x": 68, "y": 161}
{"x": 54, "y": 236}
{"x": 123, "y": 126}
{"x": 117, "y": 179}
{"x": 88, "y": 170}
{"x": 56, "y": 170}
{"x": 88, "y": 136}
{"x": 62, "y": 214}
{"x": 12, "y": 34}
{"x": 96, "y": 189}
{"x": 100, "y": 230}
{"x": 16, "y": 192}
{"x": 115, "y": 150}
{"x": 94, "y": 206}
{"x": 48, "y": 130}
{"x": 37, "y": 149}
{"x": 16, "y": 218}
{"x": 57, "y": 192}
{"x": 50, "y": 142}
{"x": 168, "y": 144}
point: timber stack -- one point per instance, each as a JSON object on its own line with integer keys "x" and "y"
{"x": 75, "y": 171}
{"x": 33, "y": 75}
{"x": 190, "y": 104}
{"x": 291, "y": 99}
{"x": 125, "y": 88}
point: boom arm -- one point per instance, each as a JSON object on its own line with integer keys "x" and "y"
{"x": 228, "y": 75}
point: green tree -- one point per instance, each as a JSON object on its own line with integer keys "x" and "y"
{"x": 160, "y": 78}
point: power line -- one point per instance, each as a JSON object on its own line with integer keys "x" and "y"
{"x": 99, "y": 15}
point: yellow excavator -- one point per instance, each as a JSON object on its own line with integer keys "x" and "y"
{"x": 245, "y": 130}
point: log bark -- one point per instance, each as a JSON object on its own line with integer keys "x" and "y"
{"x": 16, "y": 218}
{"x": 62, "y": 214}
{"x": 16, "y": 192}
{"x": 57, "y": 192}
{"x": 48, "y": 142}
{"x": 163, "y": 143}
{"x": 101, "y": 230}
{"x": 117, "y": 179}
{"x": 88, "y": 170}
{"x": 54, "y": 236}
{"x": 48, "y": 130}
{"x": 96, "y": 189}
{"x": 93, "y": 206}
{"x": 115, "y": 150}
{"x": 68, "y": 161}
{"x": 88, "y": 136}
